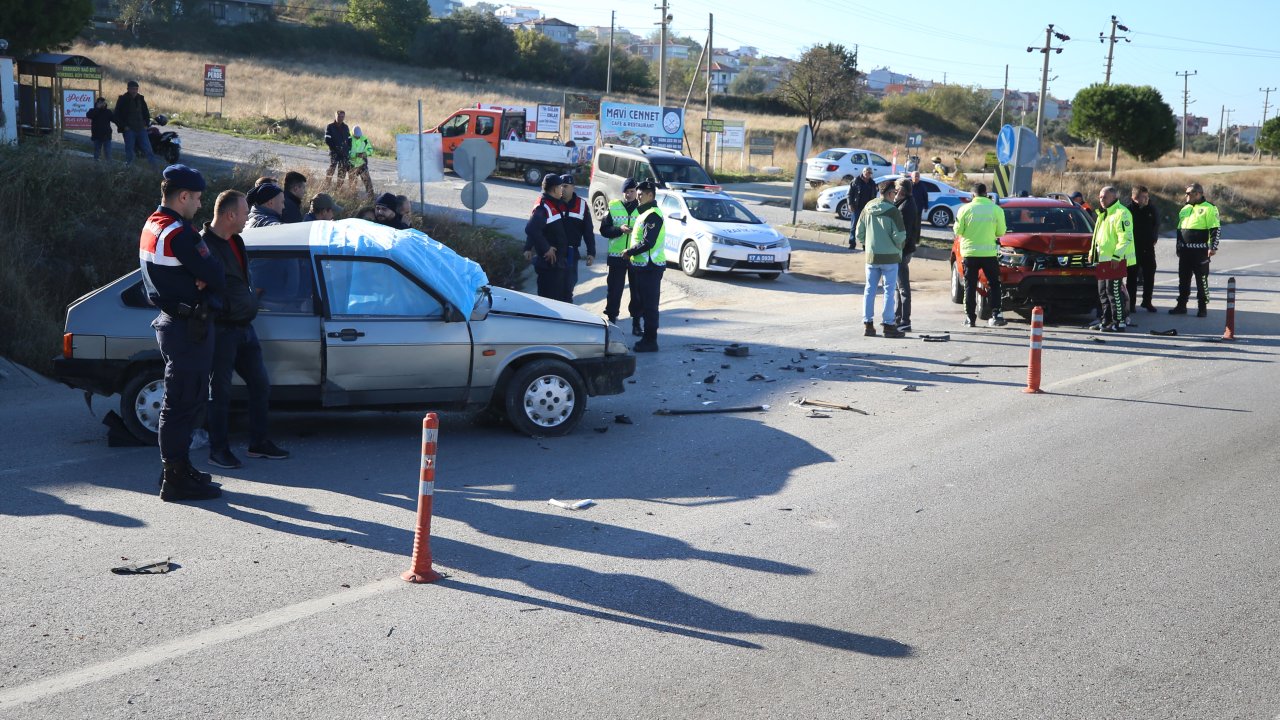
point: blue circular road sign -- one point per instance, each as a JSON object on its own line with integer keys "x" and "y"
{"x": 1004, "y": 144}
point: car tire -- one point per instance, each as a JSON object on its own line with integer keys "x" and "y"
{"x": 691, "y": 260}
{"x": 768, "y": 276}
{"x": 545, "y": 398}
{"x": 599, "y": 207}
{"x": 843, "y": 211}
{"x": 957, "y": 285}
{"x": 984, "y": 305}
{"x": 847, "y": 179}
{"x": 941, "y": 217}
{"x": 533, "y": 176}
{"x": 140, "y": 402}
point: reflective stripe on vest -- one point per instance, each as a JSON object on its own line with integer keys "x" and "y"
{"x": 578, "y": 210}
{"x": 553, "y": 209}
{"x": 153, "y": 246}
{"x": 658, "y": 253}
{"x": 620, "y": 216}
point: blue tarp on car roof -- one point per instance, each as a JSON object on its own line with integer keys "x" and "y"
{"x": 455, "y": 277}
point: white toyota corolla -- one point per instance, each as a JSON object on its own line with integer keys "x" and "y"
{"x": 709, "y": 231}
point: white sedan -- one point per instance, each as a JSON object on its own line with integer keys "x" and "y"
{"x": 944, "y": 200}
{"x": 842, "y": 165}
{"x": 709, "y": 231}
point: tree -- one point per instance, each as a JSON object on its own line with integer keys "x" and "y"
{"x": 823, "y": 85}
{"x": 538, "y": 56}
{"x": 748, "y": 82}
{"x": 34, "y": 27}
{"x": 1132, "y": 118}
{"x": 395, "y": 23}
{"x": 1269, "y": 136}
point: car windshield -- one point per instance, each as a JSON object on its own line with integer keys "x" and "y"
{"x": 1046, "y": 220}
{"x": 671, "y": 172}
{"x": 831, "y": 155}
{"x": 720, "y": 210}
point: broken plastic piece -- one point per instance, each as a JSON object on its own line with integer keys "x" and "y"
{"x": 622, "y": 420}
{"x": 1167, "y": 333}
{"x": 736, "y": 350}
{"x": 831, "y": 405}
{"x": 155, "y": 567}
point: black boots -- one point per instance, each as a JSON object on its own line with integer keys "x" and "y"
{"x": 1202, "y": 311}
{"x": 1179, "y": 309}
{"x": 647, "y": 344}
{"x": 635, "y": 327}
{"x": 180, "y": 481}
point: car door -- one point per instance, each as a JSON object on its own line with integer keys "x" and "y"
{"x": 288, "y": 324}
{"x": 386, "y": 338}
{"x": 452, "y": 132}
{"x": 676, "y": 220}
{"x": 879, "y": 166}
{"x": 857, "y": 161}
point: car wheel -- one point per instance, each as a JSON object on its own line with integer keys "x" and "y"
{"x": 843, "y": 210}
{"x": 984, "y": 305}
{"x": 599, "y": 207}
{"x": 768, "y": 276}
{"x": 690, "y": 261}
{"x": 533, "y": 175}
{"x": 140, "y": 403}
{"x": 940, "y": 217}
{"x": 847, "y": 179}
{"x": 545, "y": 397}
{"x": 957, "y": 285}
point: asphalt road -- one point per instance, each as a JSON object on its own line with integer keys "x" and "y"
{"x": 1103, "y": 550}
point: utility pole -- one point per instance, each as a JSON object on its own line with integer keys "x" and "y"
{"x": 662, "y": 54}
{"x": 608, "y": 78}
{"x": 1049, "y": 35}
{"x": 1004, "y": 94}
{"x": 706, "y": 137}
{"x": 1222, "y": 130}
{"x": 1226, "y": 139}
{"x": 1186, "y": 93}
{"x": 1266, "y": 105}
{"x": 1111, "y": 49}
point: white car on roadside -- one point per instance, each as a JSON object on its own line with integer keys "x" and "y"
{"x": 944, "y": 200}
{"x": 842, "y": 165}
{"x": 709, "y": 231}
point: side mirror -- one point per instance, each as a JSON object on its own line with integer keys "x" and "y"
{"x": 484, "y": 303}
{"x": 678, "y": 217}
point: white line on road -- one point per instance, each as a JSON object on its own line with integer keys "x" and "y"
{"x": 1104, "y": 371}
{"x": 178, "y": 647}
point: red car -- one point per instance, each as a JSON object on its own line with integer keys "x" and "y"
{"x": 1044, "y": 260}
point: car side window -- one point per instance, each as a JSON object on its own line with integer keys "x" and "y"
{"x": 456, "y": 126}
{"x": 930, "y": 187}
{"x": 606, "y": 164}
{"x": 877, "y": 160}
{"x": 858, "y": 158}
{"x": 642, "y": 172}
{"x": 484, "y": 125}
{"x": 364, "y": 288}
{"x": 669, "y": 205}
{"x": 284, "y": 284}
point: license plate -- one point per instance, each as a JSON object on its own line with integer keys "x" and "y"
{"x": 760, "y": 258}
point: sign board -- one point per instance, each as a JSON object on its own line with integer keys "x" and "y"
{"x": 582, "y": 105}
{"x": 804, "y": 141}
{"x": 474, "y": 195}
{"x": 79, "y": 72}
{"x": 915, "y": 140}
{"x": 761, "y": 145}
{"x": 474, "y": 160}
{"x": 637, "y": 125}
{"x": 8, "y": 103}
{"x": 583, "y": 134}
{"x": 1004, "y": 144}
{"x": 407, "y": 167}
{"x": 712, "y": 126}
{"x": 549, "y": 119}
{"x": 215, "y": 80}
{"x": 76, "y": 104}
{"x": 989, "y": 162}
{"x": 733, "y": 136}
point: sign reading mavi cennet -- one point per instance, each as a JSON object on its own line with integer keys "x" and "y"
{"x": 637, "y": 125}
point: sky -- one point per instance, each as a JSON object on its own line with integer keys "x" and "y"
{"x": 1230, "y": 46}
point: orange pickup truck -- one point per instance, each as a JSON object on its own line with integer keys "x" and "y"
{"x": 504, "y": 131}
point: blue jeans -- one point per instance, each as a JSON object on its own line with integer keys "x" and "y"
{"x": 137, "y": 139}
{"x": 237, "y": 348}
{"x": 876, "y": 273}
{"x": 103, "y": 147}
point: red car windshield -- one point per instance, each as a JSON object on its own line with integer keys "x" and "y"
{"x": 1044, "y": 220}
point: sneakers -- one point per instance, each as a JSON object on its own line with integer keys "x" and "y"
{"x": 904, "y": 327}
{"x": 268, "y": 450}
{"x": 970, "y": 322}
{"x": 891, "y": 331}
{"x": 646, "y": 345}
{"x": 1202, "y": 311}
{"x": 224, "y": 459}
{"x": 1095, "y": 325}
{"x": 176, "y": 484}
{"x": 869, "y": 329}
{"x": 997, "y": 320}
{"x": 1179, "y": 309}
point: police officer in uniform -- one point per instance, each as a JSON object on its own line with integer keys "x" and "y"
{"x": 979, "y": 224}
{"x": 648, "y": 257}
{"x": 185, "y": 280}
{"x": 1198, "y": 230}
{"x": 578, "y": 231}
{"x": 1113, "y": 243}
{"x": 616, "y": 226}
{"x": 545, "y": 240}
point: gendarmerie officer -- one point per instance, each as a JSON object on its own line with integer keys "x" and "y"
{"x": 184, "y": 279}
{"x": 616, "y": 226}
{"x": 648, "y": 256}
{"x": 578, "y": 231}
{"x": 545, "y": 241}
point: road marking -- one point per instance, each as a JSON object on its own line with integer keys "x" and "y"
{"x": 1104, "y": 371}
{"x": 205, "y": 639}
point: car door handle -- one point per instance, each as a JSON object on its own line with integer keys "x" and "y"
{"x": 347, "y": 334}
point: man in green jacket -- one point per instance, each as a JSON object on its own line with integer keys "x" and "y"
{"x": 881, "y": 230}
{"x": 1199, "y": 228}
{"x": 1113, "y": 244}
{"x": 979, "y": 225}
{"x": 361, "y": 151}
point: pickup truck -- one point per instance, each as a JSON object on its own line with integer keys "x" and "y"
{"x": 504, "y": 131}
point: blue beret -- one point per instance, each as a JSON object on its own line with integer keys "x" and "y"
{"x": 181, "y": 177}
{"x": 629, "y": 184}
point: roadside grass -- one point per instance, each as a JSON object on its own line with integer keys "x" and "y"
{"x": 1240, "y": 196}
{"x": 56, "y": 251}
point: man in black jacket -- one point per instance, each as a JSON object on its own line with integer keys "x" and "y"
{"x": 235, "y": 344}
{"x": 132, "y": 117}
{"x": 648, "y": 258}
{"x": 861, "y": 191}
{"x": 1146, "y": 232}
{"x": 295, "y": 188}
{"x": 906, "y": 203}
{"x": 100, "y": 118}
{"x": 338, "y": 138}
{"x": 267, "y": 203}
{"x": 545, "y": 240}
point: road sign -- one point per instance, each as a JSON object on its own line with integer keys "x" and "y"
{"x": 915, "y": 140}
{"x": 474, "y": 159}
{"x": 474, "y": 195}
{"x": 804, "y": 141}
{"x": 215, "y": 80}
{"x": 1004, "y": 144}
{"x": 712, "y": 126}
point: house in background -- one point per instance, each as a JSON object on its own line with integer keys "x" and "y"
{"x": 721, "y": 76}
{"x": 444, "y": 8}
{"x": 649, "y": 51}
{"x": 562, "y": 32}
{"x": 517, "y": 14}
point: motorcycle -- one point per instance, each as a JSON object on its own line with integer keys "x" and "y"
{"x": 165, "y": 144}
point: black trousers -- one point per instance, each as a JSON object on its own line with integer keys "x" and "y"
{"x": 990, "y": 267}
{"x": 902, "y": 311}
{"x": 236, "y": 349}
{"x": 646, "y": 289}
{"x": 1193, "y": 262}
{"x": 619, "y": 277}
{"x": 551, "y": 281}
{"x": 1114, "y": 302}
{"x": 187, "y": 362}
{"x": 1144, "y": 273}
{"x": 570, "y": 275}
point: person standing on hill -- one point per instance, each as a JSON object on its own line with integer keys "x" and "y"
{"x": 861, "y": 191}
{"x": 361, "y": 151}
{"x": 132, "y": 117}
{"x": 338, "y": 139}
{"x": 100, "y": 117}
